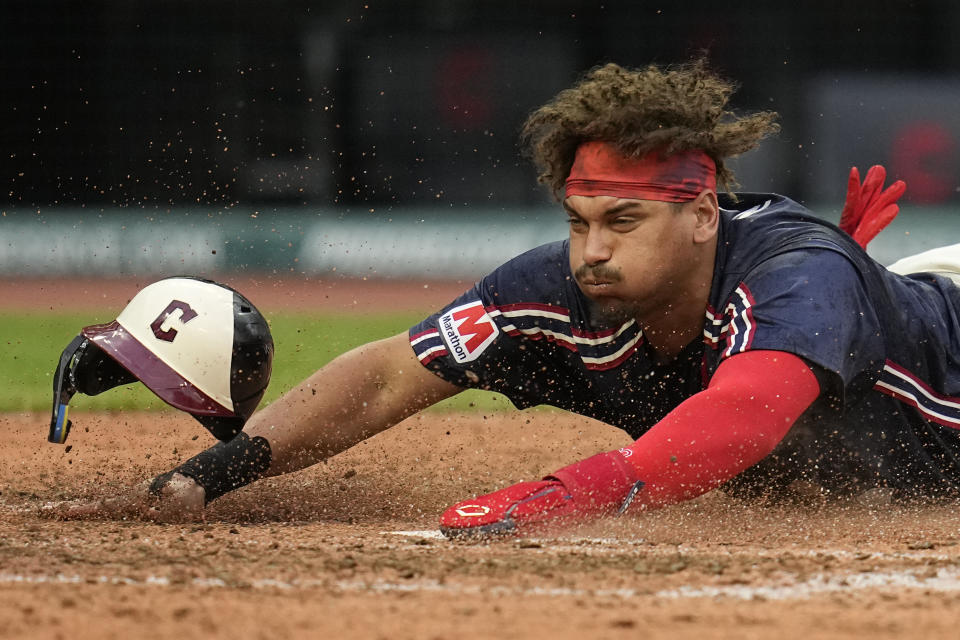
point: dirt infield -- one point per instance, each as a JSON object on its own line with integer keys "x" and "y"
{"x": 321, "y": 554}
{"x": 348, "y": 548}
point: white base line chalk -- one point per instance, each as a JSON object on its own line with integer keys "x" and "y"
{"x": 945, "y": 580}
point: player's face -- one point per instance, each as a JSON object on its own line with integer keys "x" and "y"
{"x": 634, "y": 257}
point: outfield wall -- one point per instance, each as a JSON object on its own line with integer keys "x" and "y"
{"x": 434, "y": 244}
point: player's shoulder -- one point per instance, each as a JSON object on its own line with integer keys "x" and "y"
{"x": 548, "y": 256}
{"x": 763, "y": 207}
{"x": 755, "y": 227}
{"x": 541, "y": 274}
{"x": 764, "y": 234}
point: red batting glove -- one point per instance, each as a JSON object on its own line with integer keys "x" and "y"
{"x": 869, "y": 208}
{"x": 601, "y": 485}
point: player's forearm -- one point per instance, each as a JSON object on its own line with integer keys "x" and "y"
{"x": 752, "y": 401}
{"x": 355, "y": 396}
{"x": 748, "y": 409}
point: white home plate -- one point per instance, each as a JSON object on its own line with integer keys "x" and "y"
{"x": 425, "y": 533}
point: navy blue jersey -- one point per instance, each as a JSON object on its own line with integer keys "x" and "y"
{"x": 885, "y": 347}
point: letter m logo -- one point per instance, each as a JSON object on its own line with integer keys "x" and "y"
{"x": 471, "y": 331}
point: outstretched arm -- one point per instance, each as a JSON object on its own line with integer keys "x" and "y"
{"x": 357, "y": 395}
{"x": 751, "y": 403}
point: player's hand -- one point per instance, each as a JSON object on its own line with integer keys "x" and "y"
{"x": 180, "y": 500}
{"x": 601, "y": 485}
{"x": 869, "y": 207}
{"x": 513, "y": 510}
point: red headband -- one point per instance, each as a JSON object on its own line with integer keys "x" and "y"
{"x": 600, "y": 170}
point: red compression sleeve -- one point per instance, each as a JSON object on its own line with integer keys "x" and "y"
{"x": 750, "y": 404}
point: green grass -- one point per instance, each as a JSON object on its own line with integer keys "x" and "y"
{"x": 32, "y": 343}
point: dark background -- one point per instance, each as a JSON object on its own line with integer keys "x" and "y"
{"x": 417, "y": 102}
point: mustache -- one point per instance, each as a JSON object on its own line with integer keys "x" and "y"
{"x": 598, "y": 272}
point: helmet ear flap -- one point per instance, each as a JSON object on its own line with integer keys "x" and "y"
{"x": 96, "y": 372}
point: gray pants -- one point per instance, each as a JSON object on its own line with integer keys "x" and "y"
{"x": 944, "y": 261}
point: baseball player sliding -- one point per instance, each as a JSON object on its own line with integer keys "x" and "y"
{"x": 742, "y": 342}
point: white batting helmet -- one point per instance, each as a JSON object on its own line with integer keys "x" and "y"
{"x": 199, "y": 345}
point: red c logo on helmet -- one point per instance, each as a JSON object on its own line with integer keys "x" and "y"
{"x": 186, "y": 315}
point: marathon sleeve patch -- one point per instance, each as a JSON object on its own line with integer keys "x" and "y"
{"x": 467, "y": 330}
{"x": 452, "y": 341}
{"x": 502, "y": 334}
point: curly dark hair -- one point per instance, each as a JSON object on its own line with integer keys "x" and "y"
{"x": 674, "y": 109}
